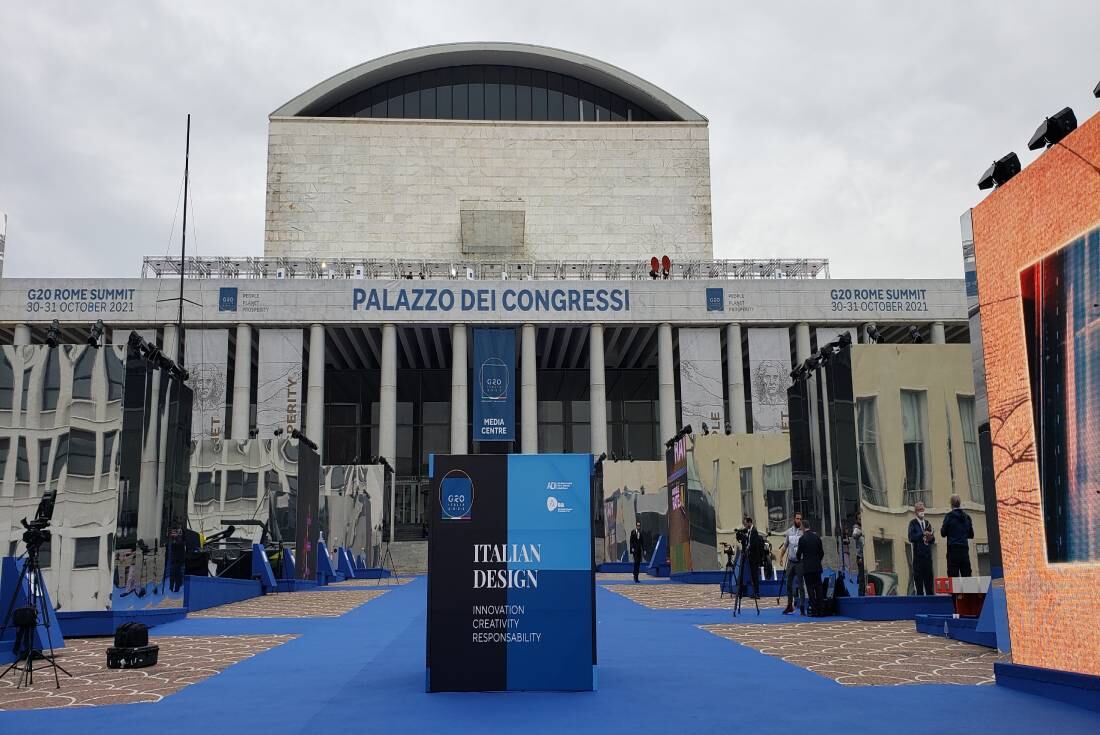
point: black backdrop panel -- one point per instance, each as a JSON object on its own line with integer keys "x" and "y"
{"x": 455, "y": 662}
{"x": 308, "y": 525}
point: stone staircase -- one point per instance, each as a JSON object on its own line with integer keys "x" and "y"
{"x": 410, "y": 557}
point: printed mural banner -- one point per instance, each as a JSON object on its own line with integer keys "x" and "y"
{"x": 770, "y": 376}
{"x": 279, "y": 381}
{"x": 206, "y": 357}
{"x": 701, "y": 393}
{"x": 634, "y": 491}
{"x": 679, "y": 526}
{"x": 494, "y": 385}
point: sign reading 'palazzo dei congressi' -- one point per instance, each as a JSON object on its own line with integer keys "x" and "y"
{"x": 138, "y": 301}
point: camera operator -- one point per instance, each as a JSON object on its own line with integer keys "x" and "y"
{"x": 752, "y": 555}
{"x": 793, "y": 570}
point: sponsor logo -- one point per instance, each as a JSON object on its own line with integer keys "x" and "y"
{"x": 227, "y": 298}
{"x": 456, "y": 496}
{"x": 553, "y": 485}
{"x": 715, "y": 299}
{"x": 556, "y": 506}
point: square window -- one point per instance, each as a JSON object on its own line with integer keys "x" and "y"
{"x": 86, "y": 553}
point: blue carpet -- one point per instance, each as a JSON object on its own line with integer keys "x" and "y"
{"x": 364, "y": 672}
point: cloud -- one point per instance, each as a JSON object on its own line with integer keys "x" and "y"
{"x": 855, "y": 132}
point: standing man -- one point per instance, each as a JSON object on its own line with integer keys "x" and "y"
{"x": 957, "y": 528}
{"x": 810, "y": 553}
{"x": 922, "y": 538}
{"x": 752, "y": 553}
{"x": 637, "y": 547}
{"x": 793, "y": 571}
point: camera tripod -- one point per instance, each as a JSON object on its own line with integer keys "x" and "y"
{"x": 738, "y": 573}
{"x": 26, "y": 619}
{"x": 387, "y": 557}
{"x": 727, "y": 578}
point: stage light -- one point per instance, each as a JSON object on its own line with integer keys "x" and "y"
{"x": 95, "y": 333}
{"x": 873, "y": 335}
{"x": 845, "y": 340}
{"x": 277, "y": 433}
{"x": 915, "y": 335}
{"x": 1096, "y": 90}
{"x": 295, "y": 434}
{"x": 706, "y": 429}
{"x": 1001, "y": 171}
{"x": 654, "y": 265}
{"x": 666, "y": 267}
{"x": 629, "y": 457}
{"x": 729, "y": 428}
{"x": 53, "y": 334}
{"x": 1053, "y": 129}
{"x": 253, "y": 433}
{"x": 600, "y": 459}
{"x": 614, "y": 457}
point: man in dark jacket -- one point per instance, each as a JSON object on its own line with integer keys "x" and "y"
{"x": 922, "y": 538}
{"x": 752, "y": 547}
{"x": 810, "y": 553}
{"x": 637, "y": 547}
{"x": 957, "y": 528}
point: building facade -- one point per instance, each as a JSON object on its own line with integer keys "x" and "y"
{"x": 425, "y": 195}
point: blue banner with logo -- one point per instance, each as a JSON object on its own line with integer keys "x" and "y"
{"x": 511, "y": 593}
{"x": 494, "y": 370}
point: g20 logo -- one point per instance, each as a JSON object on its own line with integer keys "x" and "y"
{"x": 494, "y": 380}
{"x": 456, "y": 496}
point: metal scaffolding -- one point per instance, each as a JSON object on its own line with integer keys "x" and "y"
{"x": 531, "y": 270}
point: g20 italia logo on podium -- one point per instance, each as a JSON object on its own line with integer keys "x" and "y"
{"x": 456, "y": 496}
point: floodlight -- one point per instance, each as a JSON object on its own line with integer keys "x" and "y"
{"x": 1053, "y": 129}
{"x": 1001, "y": 171}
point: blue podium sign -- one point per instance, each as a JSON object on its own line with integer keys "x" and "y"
{"x": 511, "y": 591}
{"x": 494, "y": 385}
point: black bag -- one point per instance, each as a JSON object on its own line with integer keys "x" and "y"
{"x": 132, "y": 658}
{"x": 132, "y": 635}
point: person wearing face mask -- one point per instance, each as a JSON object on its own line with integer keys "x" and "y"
{"x": 922, "y": 538}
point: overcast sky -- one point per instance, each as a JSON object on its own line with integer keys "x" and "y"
{"x": 852, "y": 131}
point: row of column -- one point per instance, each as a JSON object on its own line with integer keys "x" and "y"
{"x": 387, "y": 430}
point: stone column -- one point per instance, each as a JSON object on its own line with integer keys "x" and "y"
{"x": 460, "y": 429}
{"x": 666, "y": 385}
{"x": 939, "y": 337}
{"x": 22, "y": 334}
{"x": 242, "y": 383}
{"x": 315, "y": 392}
{"x": 736, "y": 380}
{"x": 865, "y": 333}
{"x": 529, "y": 394}
{"x": 387, "y": 409}
{"x": 597, "y": 391}
{"x": 170, "y": 347}
{"x": 801, "y": 341}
